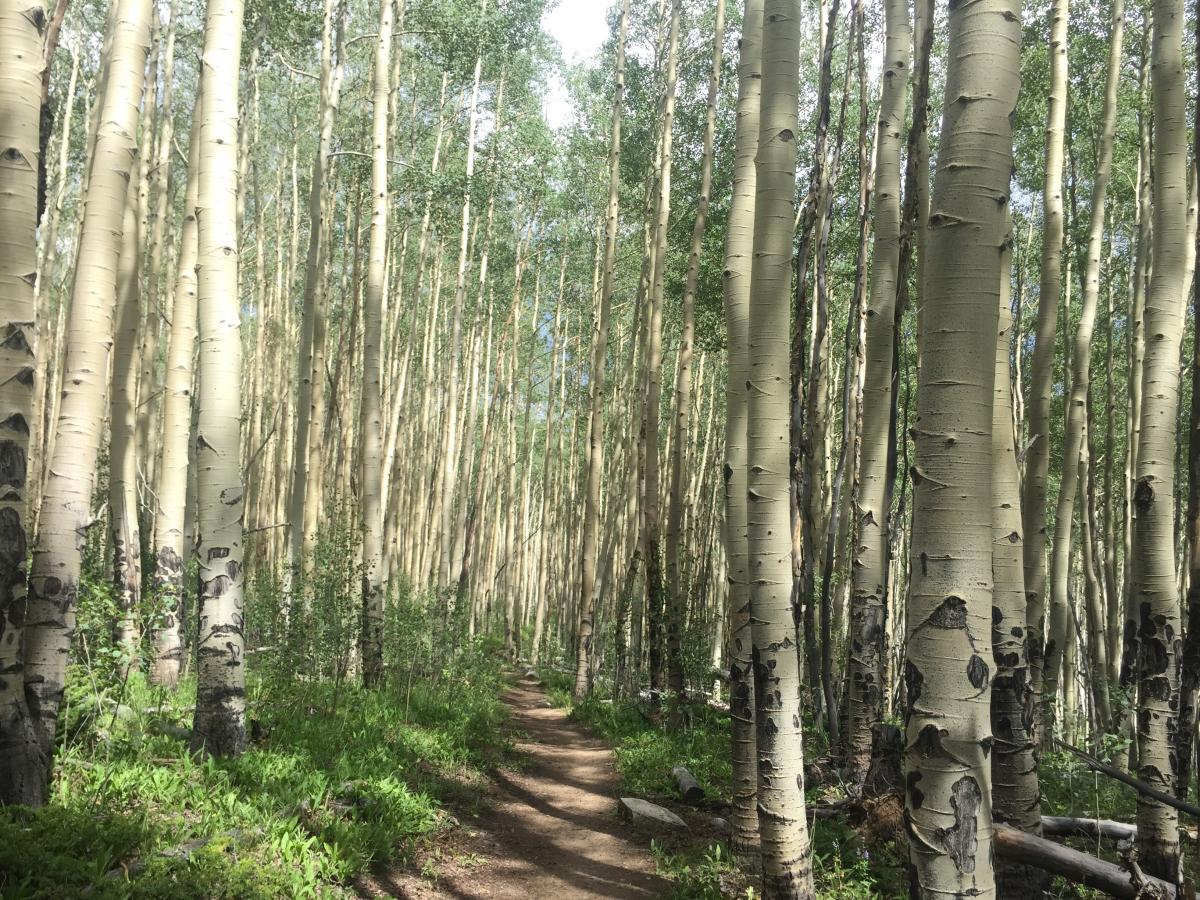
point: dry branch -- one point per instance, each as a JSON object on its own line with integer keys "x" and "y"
{"x": 1078, "y": 867}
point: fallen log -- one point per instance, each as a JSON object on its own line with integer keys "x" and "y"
{"x": 1069, "y": 826}
{"x": 689, "y": 788}
{"x": 1013, "y": 844}
{"x": 1136, "y": 783}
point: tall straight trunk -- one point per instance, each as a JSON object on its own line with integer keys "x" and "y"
{"x": 21, "y": 65}
{"x": 803, "y": 537}
{"x": 1100, "y": 708}
{"x": 1156, "y": 628}
{"x": 123, "y": 460}
{"x": 311, "y": 375}
{"x": 171, "y": 486}
{"x": 1136, "y": 351}
{"x": 1189, "y": 671}
{"x": 786, "y": 852}
{"x": 869, "y": 566}
{"x": 652, "y": 524}
{"x": 1016, "y": 795}
{"x": 739, "y": 255}
{"x": 1080, "y": 381}
{"x": 374, "y": 588}
{"x": 680, "y": 440}
{"x": 49, "y": 337}
{"x": 1037, "y": 463}
{"x": 71, "y": 479}
{"x": 596, "y": 377}
{"x": 1112, "y": 629}
{"x": 220, "y": 722}
{"x": 948, "y": 803}
{"x": 156, "y": 299}
{"x": 449, "y": 451}
{"x": 544, "y": 561}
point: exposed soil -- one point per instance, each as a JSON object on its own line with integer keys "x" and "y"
{"x": 549, "y": 830}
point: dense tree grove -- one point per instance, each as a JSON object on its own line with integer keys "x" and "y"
{"x": 807, "y": 393}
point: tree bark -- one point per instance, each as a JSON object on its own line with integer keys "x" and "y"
{"x": 1080, "y": 381}
{"x": 311, "y": 375}
{"x": 21, "y": 65}
{"x": 652, "y": 512}
{"x": 374, "y": 584}
{"x": 786, "y": 852}
{"x": 171, "y": 487}
{"x": 125, "y": 538}
{"x": 739, "y": 255}
{"x": 220, "y": 726}
{"x": 1189, "y": 672}
{"x": 869, "y": 564}
{"x": 596, "y": 378}
{"x": 946, "y": 671}
{"x": 71, "y": 479}
{"x": 1016, "y": 794}
{"x": 1157, "y": 622}
{"x": 1037, "y": 462}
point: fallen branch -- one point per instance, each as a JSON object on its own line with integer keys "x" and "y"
{"x": 1069, "y": 826}
{"x": 1015, "y": 845}
{"x": 1136, "y": 783}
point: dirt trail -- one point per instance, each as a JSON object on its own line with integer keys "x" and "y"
{"x": 547, "y": 831}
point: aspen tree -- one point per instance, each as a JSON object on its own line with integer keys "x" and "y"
{"x": 1080, "y": 382}
{"x": 171, "y": 486}
{"x": 652, "y": 524}
{"x": 71, "y": 474}
{"x": 157, "y": 299}
{"x": 1135, "y": 347}
{"x": 123, "y": 461}
{"x": 374, "y": 575}
{"x": 786, "y": 853}
{"x": 449, "y": 442}
{"x": 21, "y": 63}
{"x": 947, "y": 669}
{"x": 596, "y": 375}
{"x": 804, "y": 539}
{"x": 1189, "y": 673}
{"x": 48, "y": 335}
{"x": 1189, "y": 657}
{"x": 1156, "y": 622}
{"x": 1037, "y": 462}
{"x": 677, "y": 595}
{"x": 739, "y": 254}
{"x": 870, "y": 563}
{"x": 220, "y": 726}
{"x": 310, "y": 398}
{"x": 1016, "y": 794}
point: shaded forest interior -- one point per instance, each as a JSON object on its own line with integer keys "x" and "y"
{"x": 812, "y": 408}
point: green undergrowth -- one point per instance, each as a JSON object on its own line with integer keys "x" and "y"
{"x": 336, "y": 777}
{"x": 703, "y": 869}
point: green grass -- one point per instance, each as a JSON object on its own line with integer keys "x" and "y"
{"x": 341, "y": 777}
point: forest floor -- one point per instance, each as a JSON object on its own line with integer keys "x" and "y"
{"x": 546, "y": 829}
